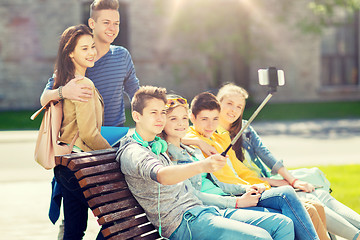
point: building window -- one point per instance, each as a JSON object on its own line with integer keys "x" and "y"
{"x": 340, "y": 53}
{"x": 123, "y": 37}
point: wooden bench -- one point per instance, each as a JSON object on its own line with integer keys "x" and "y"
{"x": 108, "y": 195}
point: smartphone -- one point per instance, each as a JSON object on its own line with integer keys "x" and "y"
{"x": 271, "y": 77}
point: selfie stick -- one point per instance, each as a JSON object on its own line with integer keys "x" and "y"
{"x": 273, "y": 83}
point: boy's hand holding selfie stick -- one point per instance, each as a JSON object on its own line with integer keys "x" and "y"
{"x": 267, "y": 77}
{"x": 214, "y": 163}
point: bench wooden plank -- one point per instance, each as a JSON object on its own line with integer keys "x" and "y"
{"x": 120, "y": 215}
{"x": 103, "y": 178}
{"x": 128, "y": 224}
{"x": 102, "y": 189}
{"x": 96, "y": 201}
{"x": 76, "y": 164}
{"x": 137, "y": 232}
{"x": 65, "y": 159}
{"x": 149, "y": 236}
{"x": 102, "y": 168}
{"x": 102, "y": 210}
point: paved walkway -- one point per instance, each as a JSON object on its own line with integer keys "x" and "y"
{"x": 25, "y": 186}
{"x": 308, "y": 143}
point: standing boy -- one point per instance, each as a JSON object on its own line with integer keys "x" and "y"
{"x": 158, "y": 185}
{"x": 113, "y": 73}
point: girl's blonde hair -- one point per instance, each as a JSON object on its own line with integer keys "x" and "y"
{"x": 231, "y": 88}
{"x": 228, "y": 89}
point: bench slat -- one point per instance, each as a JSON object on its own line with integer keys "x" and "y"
{"x": 76, "y": 164}
{"x": 102, "y": 189}
{"x": 103, "y": 178}
{"x": 58, "y": 160}
{"x": 96, "y": 201}
{"x": 65, "y": 159}
{"x": 112, "y": 217}
{"x": 111, "y": 207}
{"x": 102, "y": 168}
{"x": 127, "y": 225}
{"x": 152, "y": 236}
{"x": 137, "y": 233}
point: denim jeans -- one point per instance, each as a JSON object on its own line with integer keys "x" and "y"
{"x": 212, "y": 223}
{"x": 75, "y": 204}
{"x": 285, "y": 200}
{"x": 340, "y": 219}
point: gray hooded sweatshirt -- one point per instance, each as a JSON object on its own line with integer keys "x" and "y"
{"x": 140, "y": 167}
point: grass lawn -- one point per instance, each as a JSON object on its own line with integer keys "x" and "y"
{"x": 17, "y": 120}
{"x": 344, "y": 180}
{"x": 20, "y": 120}
{"x": 303, "y": 111}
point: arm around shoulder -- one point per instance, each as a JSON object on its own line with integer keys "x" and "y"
{"x": 75, "y": 89}
{"x": 49, "y": 95}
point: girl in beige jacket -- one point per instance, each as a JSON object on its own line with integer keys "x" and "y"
{"x": 81, "y": 120}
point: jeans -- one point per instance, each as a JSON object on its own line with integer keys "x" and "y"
{"x": 212, "y": 223}
{"x": 75, "y": 204}
{"x": 286, "y": 201}
{"x": 340, "y": 219}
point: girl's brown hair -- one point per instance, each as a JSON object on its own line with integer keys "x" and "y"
{"x": 236, "y": 126}
{"x": 64, "y": 67}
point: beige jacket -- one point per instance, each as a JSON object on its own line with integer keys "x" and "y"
{"x": 85, "y": 118}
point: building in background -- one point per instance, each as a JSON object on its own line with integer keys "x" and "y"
{"x": 188, "y": 47}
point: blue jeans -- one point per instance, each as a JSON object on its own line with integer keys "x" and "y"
{"x": 212, "y": 223}
{"x": 75, "y": 205}
{"x": 285, "y": 200}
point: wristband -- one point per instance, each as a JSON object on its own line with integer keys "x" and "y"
{"x": 293, "y": 182}
{"x": 60, "y": 93}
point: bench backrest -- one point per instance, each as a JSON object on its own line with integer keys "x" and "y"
{"x": 108, "y": 195}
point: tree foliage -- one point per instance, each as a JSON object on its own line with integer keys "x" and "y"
{"x": 328, "y": 12}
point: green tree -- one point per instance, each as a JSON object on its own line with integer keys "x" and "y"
{"x": 326, "y": 13}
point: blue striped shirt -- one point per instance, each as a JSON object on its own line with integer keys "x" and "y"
{"x": 113, "y": 75}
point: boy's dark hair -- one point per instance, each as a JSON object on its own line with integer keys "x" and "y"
{"x": 144, "y": 94}
{"x": 204, "y": 101}
{"x": 98, "y": 5}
